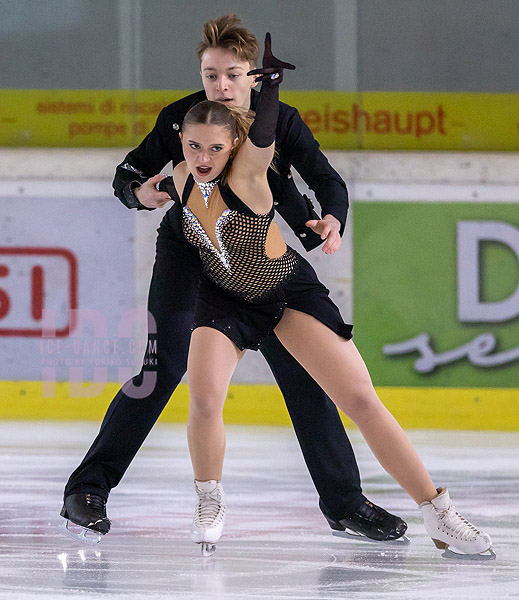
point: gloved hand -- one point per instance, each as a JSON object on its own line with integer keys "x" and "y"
{"x": 272, "y": 71}
{"x": 167, "y": 185}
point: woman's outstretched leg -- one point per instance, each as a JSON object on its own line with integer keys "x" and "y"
{"x": 211, "y": 363}
{"x": 337, "y": 366}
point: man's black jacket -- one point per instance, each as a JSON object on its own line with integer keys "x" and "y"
{"x": 295, "y": 147}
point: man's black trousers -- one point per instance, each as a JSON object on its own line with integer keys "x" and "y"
{"x": 135, "y": 409}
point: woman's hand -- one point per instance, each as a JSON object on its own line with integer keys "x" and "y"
{"x": 329, "y": 229}
{"x": 272, "y": 71}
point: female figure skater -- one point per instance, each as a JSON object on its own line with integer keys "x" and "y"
{"x": 226, "y": 52}
{"x": 254, "y": 284}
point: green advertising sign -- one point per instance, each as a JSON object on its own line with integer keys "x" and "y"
{"x": 436, "y": 293}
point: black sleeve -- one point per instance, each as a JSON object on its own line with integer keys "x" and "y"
{"x": 148, "y": 159}
{"x": 301, "y": 149}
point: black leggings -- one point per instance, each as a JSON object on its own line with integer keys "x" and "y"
{"x": 136, "y": 407}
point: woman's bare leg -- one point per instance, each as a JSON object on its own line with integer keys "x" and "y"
{"x": 211, "y": 363}
{"x": 337, "y": 366}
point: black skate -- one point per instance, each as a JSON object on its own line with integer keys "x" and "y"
{"x": 85, "y": 517}
{"x": 370, "y": 522}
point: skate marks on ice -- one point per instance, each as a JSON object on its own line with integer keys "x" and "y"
{"x": 296, "y": 567}
{"x": 275, "y": 543}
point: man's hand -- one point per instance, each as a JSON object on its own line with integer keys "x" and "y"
{"x": 148, "y": 194}
{"x": 328, "y": 228}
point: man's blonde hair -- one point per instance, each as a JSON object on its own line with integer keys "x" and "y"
{"x": 227, "y": 32}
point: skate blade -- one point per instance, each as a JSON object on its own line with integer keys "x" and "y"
{"x": 208, "y": 549}
{"x": 81, "y": 534}
{"x": 452, "y": 554}
{"x": 350, "y": 534}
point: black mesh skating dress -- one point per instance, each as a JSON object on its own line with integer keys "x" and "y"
{"x": 250, "y": 274}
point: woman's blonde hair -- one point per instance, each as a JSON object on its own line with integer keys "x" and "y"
{"x": 236, "y": 120}
{"x": 228, "y": 33}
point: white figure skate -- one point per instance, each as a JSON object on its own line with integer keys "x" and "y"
{"x": 451, "y": 532}
{"x": 209, "y": 516}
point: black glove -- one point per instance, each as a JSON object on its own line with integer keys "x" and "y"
{"x": 262, "y": 132}
{"x": 167, "y": 185}
{"x": 272, "y": 71}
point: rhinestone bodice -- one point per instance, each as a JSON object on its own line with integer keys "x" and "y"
{"x": 235, "y": 256}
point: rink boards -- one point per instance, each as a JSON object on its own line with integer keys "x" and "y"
{"x": 430, "y": 282}
{"x": 259, "y": 404}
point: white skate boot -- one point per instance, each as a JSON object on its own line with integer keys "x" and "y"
{"x": 209, "y": 517}
{"x": 451, "y": 532}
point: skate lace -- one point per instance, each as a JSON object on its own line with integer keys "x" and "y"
{"x": 209, "y": 510}
{"x": 96, "y": 503}
{"x": 457, "y": 525}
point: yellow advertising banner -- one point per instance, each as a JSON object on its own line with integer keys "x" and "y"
{"x": 79, "y": 118}
{"x": 339, "y": 120}
{"x": 410, "y": 120}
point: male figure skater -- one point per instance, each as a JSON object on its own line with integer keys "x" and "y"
{"x": 227, "y": 53}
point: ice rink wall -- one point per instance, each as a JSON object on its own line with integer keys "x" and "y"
{"x": 428, "y": 272}
{"x": 417, "y": 107}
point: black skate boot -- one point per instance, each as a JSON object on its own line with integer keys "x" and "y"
{"x": 370, "y": 521}
{"x": 86, "y": 518}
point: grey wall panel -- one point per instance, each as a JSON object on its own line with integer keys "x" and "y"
{"x": 58, "y": 44}
{"x": 422, "y": 45}
{"x": 439, "y": 45}
{"x": 302, "y": 33}
{"x": 95, "y": 44}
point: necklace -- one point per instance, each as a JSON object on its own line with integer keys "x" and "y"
{"x": 206, "y": 189}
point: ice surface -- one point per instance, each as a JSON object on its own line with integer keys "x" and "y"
{"x": 276, "y": 544}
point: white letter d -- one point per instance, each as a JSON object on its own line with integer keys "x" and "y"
{"x": 470, "y": 308}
